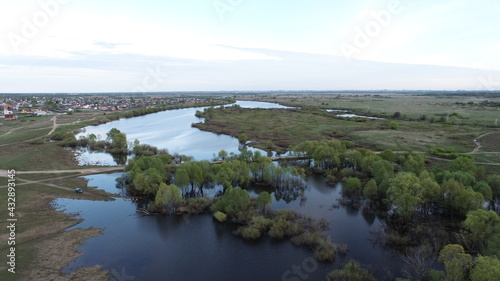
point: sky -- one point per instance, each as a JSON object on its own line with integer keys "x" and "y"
{"x": 80, "y": 46}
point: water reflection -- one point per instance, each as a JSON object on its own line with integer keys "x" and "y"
{"x": 169, "y": 130}
{"x": 154, "y": 247}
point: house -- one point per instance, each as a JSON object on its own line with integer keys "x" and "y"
{"x": 9, "y": 117}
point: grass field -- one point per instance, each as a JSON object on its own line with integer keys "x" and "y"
{"x": 409, "y": 105}
{"x": 284, "y": 127}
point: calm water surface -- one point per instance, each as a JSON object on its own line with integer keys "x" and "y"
{"x": 198, "y": 248}
{"x": 168, "y": 130}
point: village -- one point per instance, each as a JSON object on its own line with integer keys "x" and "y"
{"x": 15, "y": 106}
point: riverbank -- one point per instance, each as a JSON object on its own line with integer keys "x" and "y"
{"x": 43, "y": 246}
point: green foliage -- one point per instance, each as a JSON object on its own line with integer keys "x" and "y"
{"x": 220, "y": 216}
{"x": 168, "y": 198}
{"x": 382, "y": 171}
{"x": 483, "y": 188}
{"x": 243, "y": 138}
{"x": 415, "y": 163}
{"x": 146, "y": 174}
{"x": 460, "y": 199}
{"x": 485, "y": 269}
{"x": 352, "y": 188}
{"x": 393, "y": 125}
{"x": 233, "y": 201}
{"x": 463, "y": 164}
{"x": 494, "y": 182}
{"x": 222, "y": 154}
{"x": 456, "y": 262}
{"x": 463, "y": 178}
{"x": 370, "y": 190}
{"x": 118, "y": 141}
{"x": 406, "y": 193}
{"x": 249, "y": 232}
{"x": 388, "y": 155}
{"x": 263, "y": 199}
{"x": 482, "y": 226}
{"x": 351, "y": 271}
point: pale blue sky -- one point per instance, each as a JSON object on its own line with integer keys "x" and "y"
{"x": 170, "y": 45}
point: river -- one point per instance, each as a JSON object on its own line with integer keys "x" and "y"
{"x": 197, "y": 247}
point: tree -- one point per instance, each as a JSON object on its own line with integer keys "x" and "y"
{"x": 431, "y": 191}
{"x": 351, "y": 271}
{"x": 352, "y": 187}
{"x": 370, "y": 190}
{"x": 223, "y": 154}
{"x": 456, "y": 262}
{"x": 415, "y": 163}
{"x": 463, "y": 164}
{"x": 181, "y": 178}
{"x": 482, "y": 226}
{"x": 494, "y": 182}
{"x": 460, "y": 199}
{"x": 485, "y": 269}
{"x": 243, "y": 138}
{"x": 233, "y": 201}
{"x": 405, "y": 192}
{"x": 388, "y": 155}
{"x": 112, "y": 133}
{"x": 483, "y": 188}
{"x": 382, "y": 171}
{"x": 263, "y": 199}
{"x": 168, "y": 198}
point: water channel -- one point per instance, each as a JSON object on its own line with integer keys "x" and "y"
{"x": 198, "y": 248}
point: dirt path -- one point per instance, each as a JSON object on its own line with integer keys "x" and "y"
{"x": 22, "y": 181}
{"x": 88, "y": 171}
{"x": 478, "y": 144}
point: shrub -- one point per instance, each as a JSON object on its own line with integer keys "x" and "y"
{"x": 220, "y": 216}
{"x": 249, "y": 232}
{"x": 393, "y": 125}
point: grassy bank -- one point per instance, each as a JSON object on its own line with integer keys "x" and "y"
{"x": 276, "y": 129}
{"x": 43, "y": 247}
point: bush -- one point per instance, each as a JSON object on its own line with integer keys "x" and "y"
{"x": 393, "y": 125}
{"x": 325, "y": 251}
{"x": 249, "y": 232}
{"x": 220, "y": 216}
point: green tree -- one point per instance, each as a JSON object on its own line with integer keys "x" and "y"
{"x": 168, "y": 198}
{"x": 263, "y": 199}
{"x": 352, "y": 187}
{"x": 223, "y": 154}
{"x": 243, "y": 138}
{"x": 370, "y": 190}
{"x": 483, "y": 188}
{"x": 388, "y": 155}
{"x": 460, "y": 199}
{"x": 463, "y": 164}
{"x": 382, "y": 172}
{"x": 233, "y": 201}
{"x": 456, "y": 262}
{"x": 494, "y": 182}
{"x": 485, "y": 269}
{"x": 406, "y": 193}
{"x": 482, "y": 226}
{"x": 415, "y": 163}
{"x": 351, "y": 271}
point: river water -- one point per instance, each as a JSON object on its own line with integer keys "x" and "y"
{"x": 168, "y": 130}
{"x": 134, "y": 247}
